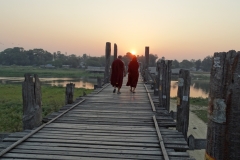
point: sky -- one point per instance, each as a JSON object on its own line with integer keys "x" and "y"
{"x": 175, "y": 29}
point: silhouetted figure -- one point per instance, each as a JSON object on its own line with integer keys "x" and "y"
{"x": 133, "y": 74}
{"x": 118, "y": 72}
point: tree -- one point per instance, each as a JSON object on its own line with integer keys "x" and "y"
{"x": 152, "y": 60}
{"x": 186, "y": 64}
{"x": 207, "y": 63}
{"x": 198, "y": 64}
{"x": 175, "y": 64}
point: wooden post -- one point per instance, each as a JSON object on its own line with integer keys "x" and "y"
{"x": 69, "y": 93}
{"x": 107, "y": 62}
{"x": 99, "y": 82}
{"x": 160, "y": 80}
{"x": 184, "y": 82}
{"x": 168, "y": 83}
{"x": 32, "y": 105}
{"x": 224, "y": 107}
{"x": 156, "y": 88}
{"x": 164, "y": 83}
{"x": 146, "y": 64}
{"x": 115, "y": 51}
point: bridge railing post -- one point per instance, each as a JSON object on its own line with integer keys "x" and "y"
{"x": 183, "y": 93}
{"x": 156, "y": 87}
{"x": 115, "y": 51}
{"x": 224, "y": 107}
{"x": 164, "y": 83}
{"x": 146, "y": 64}
{"x": 69, "y": 93}
{"x": 107, "y": 62}
{"x": 32, "y": 105}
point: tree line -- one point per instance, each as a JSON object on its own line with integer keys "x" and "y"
{"x": 38, "y": 57}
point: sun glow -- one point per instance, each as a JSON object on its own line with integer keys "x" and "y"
{"x": 133, "y": 52}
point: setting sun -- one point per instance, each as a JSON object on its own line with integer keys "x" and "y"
{"x": 133, "y": 52}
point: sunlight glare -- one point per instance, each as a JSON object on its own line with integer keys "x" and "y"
{"x": 133, "y": 52}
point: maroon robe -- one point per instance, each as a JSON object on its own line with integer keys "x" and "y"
{"x": 118, "y": 70}
{"x": 133, "y": 73}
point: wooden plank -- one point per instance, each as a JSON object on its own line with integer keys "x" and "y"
{"x": 150, "y": 99}
{"x": 105, "y": 127}
{"x": 57, "y": 157}
{"x": 98, "y": 146}
{"x": 160, "y": 139}
{"x": 80, "y": 151}
{"x": 92, "y": 142}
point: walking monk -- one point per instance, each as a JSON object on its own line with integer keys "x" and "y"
{"x": 133, "y": 74}
{"x": 118, "y": 72}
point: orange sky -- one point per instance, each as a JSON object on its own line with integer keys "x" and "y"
{"x": 174, "y": 29}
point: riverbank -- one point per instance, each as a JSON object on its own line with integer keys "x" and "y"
{"x": 19, "y": 71}
{"x": 197, "y": 124}
{"x": 11, "y": 104}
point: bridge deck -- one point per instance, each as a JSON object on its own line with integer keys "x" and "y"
{"x": 104, "y": 126}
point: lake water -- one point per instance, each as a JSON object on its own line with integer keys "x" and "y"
{"x": 197, "y": 88}
{"x": 79, "y": 82}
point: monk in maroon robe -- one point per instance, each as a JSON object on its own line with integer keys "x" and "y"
{"x": 118, "y": 72}
{"x": 133, "y": 74}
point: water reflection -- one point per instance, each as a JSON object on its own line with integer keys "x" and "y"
{"x": 62, "y": 82}
{"x": 197, "y": 89}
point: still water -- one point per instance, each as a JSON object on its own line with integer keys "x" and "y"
{"x": 62, "y": 82}
{"x": 197, "y": 88}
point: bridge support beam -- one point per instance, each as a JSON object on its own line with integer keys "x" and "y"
{"x": 224, "y": 107}
{"x": 69, "y": 93}
{"x": 184, "y": 82}
{"x": 115, "y": 51}
{"x": 107, "y": 62}
{"x": 146, "y": 65}
{"x": 164, "y": 82}
{"x": 32, "y": 105}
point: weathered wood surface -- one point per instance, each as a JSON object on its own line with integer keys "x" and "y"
{"x": 223, "y": 110}
{"x": 107, "y": 62}
{"x": 115, "y": 51}
{"x": 32, "y": 105}
{"x": 164, "y": 82}
{"x": 183, "y": 98}
{"x": 105, "y": 126}
{"x": 69, "y": 93}
{"x": 146, "y": 64}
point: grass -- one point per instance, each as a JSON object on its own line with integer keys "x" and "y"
{"x": 19, "y": 71}
{"x": 53, "y": 98}
{"x": 198, "y": 101}
{"x": 202, "y": 114}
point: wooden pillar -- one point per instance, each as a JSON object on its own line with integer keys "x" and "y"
{"x": 160, "y": 80}
{"x": 69, "y": 93}
{"x": 146, "y": 64}
{"x": 156, "y": 88}
{"x": 107, "y": 62}
{"x": 99, "y": 82}
{"x": 168, "y": 83}
{"x": 184, "y": 82}
{"x": 32, "y": 105}
{"x": 164, "y": 83}
{"x": 115, "y": 51}
{"x": 224, "y": 107}
{"x": 146, "y": 57}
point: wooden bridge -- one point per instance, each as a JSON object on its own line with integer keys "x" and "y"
{"x": 103, "y": 125}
